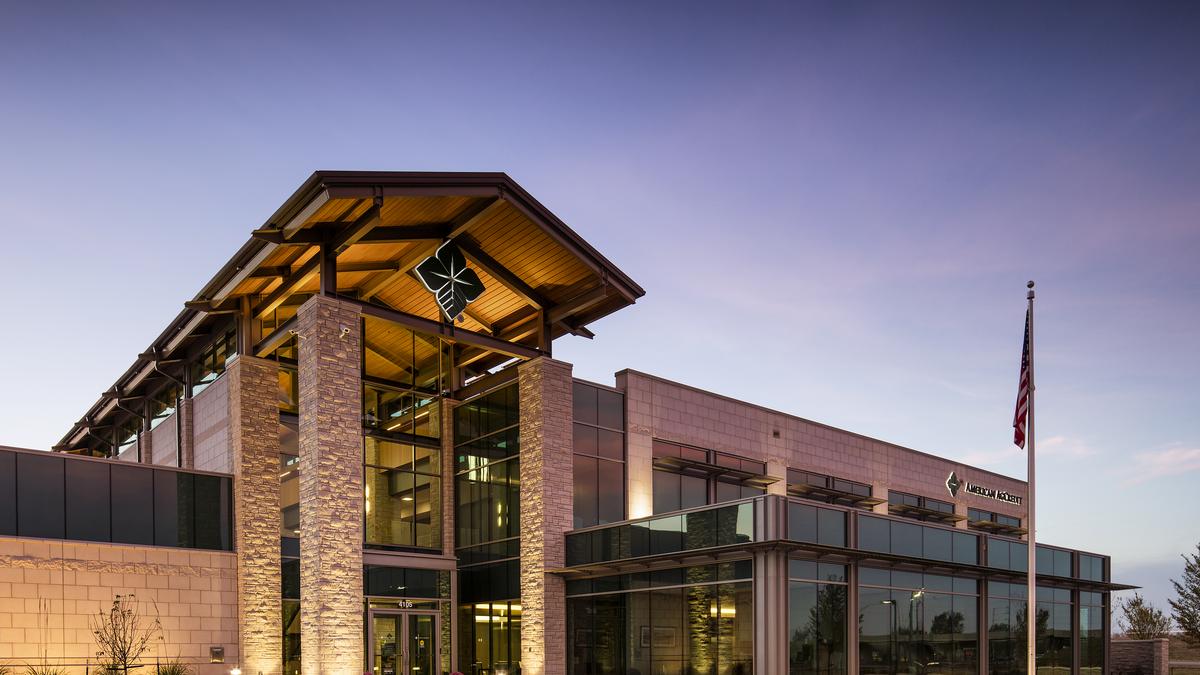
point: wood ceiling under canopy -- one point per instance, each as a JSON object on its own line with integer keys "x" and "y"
{"x": 541, "y": 280}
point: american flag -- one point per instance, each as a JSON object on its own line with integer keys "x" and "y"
{"x": 1022, "y": 414}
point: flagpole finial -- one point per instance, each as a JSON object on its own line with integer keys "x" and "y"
{"x": 1030, "y": 284}
{"x": 1029, "y": 295}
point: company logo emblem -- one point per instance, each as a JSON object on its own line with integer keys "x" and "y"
{"x": 952, "y": 484}
{"x": 955, "y": 485}
{"x": 446, "y": 275}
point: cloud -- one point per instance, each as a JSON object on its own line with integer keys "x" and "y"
{"x": 1063, "y": 446}
{"x": 1170, "y": 461}
{"x": 985, "y": 458}
{"x": 1054, "y": 447}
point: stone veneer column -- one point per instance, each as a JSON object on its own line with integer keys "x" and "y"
{"x": 254, "y": 440}
{"x": 186, "y": 456}
{"x": 639, "y": 444}
{"x": 547, "y": 489}
{"x": 331, "y": 487}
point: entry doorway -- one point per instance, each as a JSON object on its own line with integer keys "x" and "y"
{"x": 402, "y": 643}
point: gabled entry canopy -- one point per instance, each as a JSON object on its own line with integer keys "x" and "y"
{"x": 361, "y": 236}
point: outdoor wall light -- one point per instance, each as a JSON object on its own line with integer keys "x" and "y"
{"x": 235, "y": 671}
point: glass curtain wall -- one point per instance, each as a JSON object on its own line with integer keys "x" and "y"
{"x": 487, "y": 532}
{"x": 1006, "y": 630}
{"x": 599, "y": 470}
{"x": 683, "y": 621}
{"x": 403, "y": 375}
{"x": 1092, "y": 610}
{"x": 911, "y": 622}
{"x": 816, "y": 618}
{"x": 1055, "y": 653}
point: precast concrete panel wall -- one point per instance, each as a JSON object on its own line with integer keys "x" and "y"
{"x": 210, "y": 428}
{"x": 52, "y": 591}
{"x": 165, "y": 441}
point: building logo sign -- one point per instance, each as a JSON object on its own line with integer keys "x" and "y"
{"x": 956, "y": 485}
{"x": 446, "y": 275}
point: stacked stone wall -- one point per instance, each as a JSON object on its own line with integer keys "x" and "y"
{"x": 331, "y": 487}
{"x": 547, "y": 490}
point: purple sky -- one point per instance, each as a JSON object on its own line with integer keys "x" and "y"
{"x": 833, "y": 208}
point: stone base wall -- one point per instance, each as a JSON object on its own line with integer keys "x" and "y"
{"x": 51, "y": 591}
{"x": 1140, "y": 657}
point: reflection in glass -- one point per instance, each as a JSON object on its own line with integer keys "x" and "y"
{"x": 702, "y": 627}
{"x": 917, "y": 631}
{"x": 402, "y": 494}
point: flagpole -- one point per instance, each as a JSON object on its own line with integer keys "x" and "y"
{"x": 1031, "y": 591}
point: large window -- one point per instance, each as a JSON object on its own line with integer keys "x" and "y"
{"x": 1007, "y": 629}
{"x": 489, "y": 638}
{"x": 816, "y": 524}
{"x": 816, "y": 618}
{"x": 918, "y": 507}
{"x": 289, "y": 478}
{"x": 1091, "y": 633}
{"x": 829, "y": 489}
{"x": 980, "y": 519}
{"x": 1054, "y": 615}
{"x": 61, "y": 497}
{"x": 682, "y": 620}
{"x": 487, "y": 531}
{"x": 599, "y": 460}
{"x": 727, "y": 525}
{"x": 917, "y": 541}
{"x": 917, "y": 623}
{"x": 1091, "y": 567}
{"x": 403, "y": 495}
{"x": 164, "y": 403}
{"x": 210, "y": 363}
{"x": 686, "y": 477}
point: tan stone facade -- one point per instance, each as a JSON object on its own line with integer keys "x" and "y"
{"x": 331, "y": 487}
{"x": 546, "y": 507}
{"x": 51, "y": 590}
{"x": 254, "y": 436}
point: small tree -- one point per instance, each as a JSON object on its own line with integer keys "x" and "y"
{"x": 1141, "y": 620}
{"x": 122, "y": 636}
{"x": 1187, "y": 606}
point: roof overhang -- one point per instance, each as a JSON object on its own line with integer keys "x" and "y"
{"x": 542, "y": 280}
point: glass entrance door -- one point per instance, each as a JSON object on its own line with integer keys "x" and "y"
{"x": 403, "y": 643}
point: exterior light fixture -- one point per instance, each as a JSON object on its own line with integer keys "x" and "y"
{"x": 235, "y": 671}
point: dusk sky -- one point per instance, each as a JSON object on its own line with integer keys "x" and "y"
{"x": 833, "y": 207}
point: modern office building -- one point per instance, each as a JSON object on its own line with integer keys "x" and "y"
{"x": 353, "y": 451}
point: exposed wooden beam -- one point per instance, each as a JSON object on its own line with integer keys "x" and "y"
{"x": 210, "y": 307}
{"x": 371, "y": 287}
{"x": 579, "y": 303}
{"x": 367, "y": 266}
{"x": 289, "y": 285}
{"x": 305, "y": 237}
{"x": 474, "y": 252}
{"x": 348, "y": 236}
{"x": 389, "y": 356}
{"x": 475, "y": 316}
{"x": 464, "y": 221}
{"x": 277, "y": 337}
{"x": 430, "y": 327}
